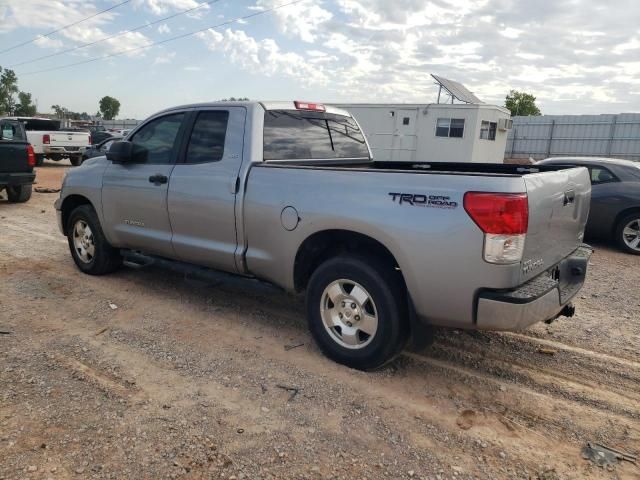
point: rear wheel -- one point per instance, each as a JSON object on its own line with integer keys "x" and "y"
{"x": 39, "y": 160}
{"x": 627, "y": 233}
{"x": 356, "y": 309}
{"x": 19, "y": 193}
{"x": 90, "y": 250}
{"x": 76, "y": 160}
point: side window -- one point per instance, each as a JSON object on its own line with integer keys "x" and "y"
{"x": 442, "y": 127}
{"x": 601, "y": 175}
{"x": 154, "y": 143}
{"x": 488, "y": 130}
{"x": 206, "y": 143}
{"x": 457, "y": 128}
{"x": 450, "y": 127}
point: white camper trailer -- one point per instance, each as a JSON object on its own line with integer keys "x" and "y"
{"x": 467, "y": 131}
{"x": 437, "y": 132}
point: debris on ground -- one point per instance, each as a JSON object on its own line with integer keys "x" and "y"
{"x": 603, "y": 456}
{"x": 293, "y": 390}
{"x": 547, "y": 351}
{"x": 46, "y": 190}
{"x": 291, "y": 347}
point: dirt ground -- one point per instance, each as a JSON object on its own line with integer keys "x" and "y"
{"x": 146, "y": 374}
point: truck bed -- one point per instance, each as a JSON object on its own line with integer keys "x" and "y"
{"x": 482, "y": 169}
{"x": 420, "y": 218}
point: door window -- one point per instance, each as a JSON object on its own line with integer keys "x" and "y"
{"x": 601, "y": 175}
{"x": 155, "y": 142}
{"x": 207, "y": 137}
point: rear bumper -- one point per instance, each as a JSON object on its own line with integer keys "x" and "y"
{"x": 49, "y": 150}
{"x": 14, "y": 179}
{"x": 542, "y": 298}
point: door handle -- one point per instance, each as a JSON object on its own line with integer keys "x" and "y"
{"x": 569, "y": 197}
{"x": 158, "y": 179}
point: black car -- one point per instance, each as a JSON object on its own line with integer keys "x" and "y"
{"x": 17, "y": 160}
{"x": 615, "y": 199}
{"x": 98, "y": 136}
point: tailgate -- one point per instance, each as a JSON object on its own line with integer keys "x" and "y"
{"x": 13, "y": 157}
{"x": 558, "y": 210}
{"x": 69, "y": 139}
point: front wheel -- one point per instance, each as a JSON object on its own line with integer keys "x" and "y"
{"x": 76, "y": 161}
{"x": 19, "y": 193}
{"x": 39, "y": 160}
{"x": 627, "y": 233}
{"x": 90, "y": 250}
{"x": 356, "y": 309}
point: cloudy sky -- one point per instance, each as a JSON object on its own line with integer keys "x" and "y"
{"x": 576, "y": 56}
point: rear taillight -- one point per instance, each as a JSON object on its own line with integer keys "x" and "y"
{"x": 90, "y": 142}
{"x": 31, "y": 156}
{"x": 318, "y": 107}
{"x": 504, "y": 218}
{"x": 46, "y": 139}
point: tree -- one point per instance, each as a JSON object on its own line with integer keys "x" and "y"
{"x": 234, "y": 99}
{"x": 521, "y": 103}
{"x": 60, "y": 112}
{"x": 8, "y": 89}
{"x": 109, "y": 107}
{"x": 25, "y": 108}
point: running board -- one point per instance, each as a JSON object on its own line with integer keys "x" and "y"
{"x": 139, "y": 260}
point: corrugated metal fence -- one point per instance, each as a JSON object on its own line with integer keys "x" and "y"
{"x": 128, "y": 123}
{"x": 575, "y": 135}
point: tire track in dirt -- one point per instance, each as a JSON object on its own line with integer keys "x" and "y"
{"x": 571, "y": 374}
{"x": 570, "y": 348}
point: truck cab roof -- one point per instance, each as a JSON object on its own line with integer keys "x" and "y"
{"x": 265, "y": 105}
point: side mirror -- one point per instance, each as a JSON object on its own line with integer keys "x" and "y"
{"x": 120, "y": 152}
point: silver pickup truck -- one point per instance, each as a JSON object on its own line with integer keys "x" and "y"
{"x": 287, "y": 192}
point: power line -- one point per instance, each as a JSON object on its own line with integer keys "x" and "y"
{"x": 135, "y": 29}
{"x": 178, "y": 37}
{"x": 65, "y": 27}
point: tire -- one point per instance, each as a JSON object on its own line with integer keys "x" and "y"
{"x": 627, "y": 233}
{"x": 39, "y": 160}
{"x": 19, "y": 193}
{"x": 357, "y": 278}
{"x": 94, "y": 256}
{"x": 76, "y": 161}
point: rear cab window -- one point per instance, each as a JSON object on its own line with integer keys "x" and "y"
{"x": 309, "y": 135}
{"x": 41, "y": 125}
{"x": 11, "y": 131}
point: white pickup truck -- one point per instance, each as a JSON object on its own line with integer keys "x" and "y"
{"x": 49, "y": 141}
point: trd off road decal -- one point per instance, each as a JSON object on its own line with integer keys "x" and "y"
{"x": 422, "y": 200}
